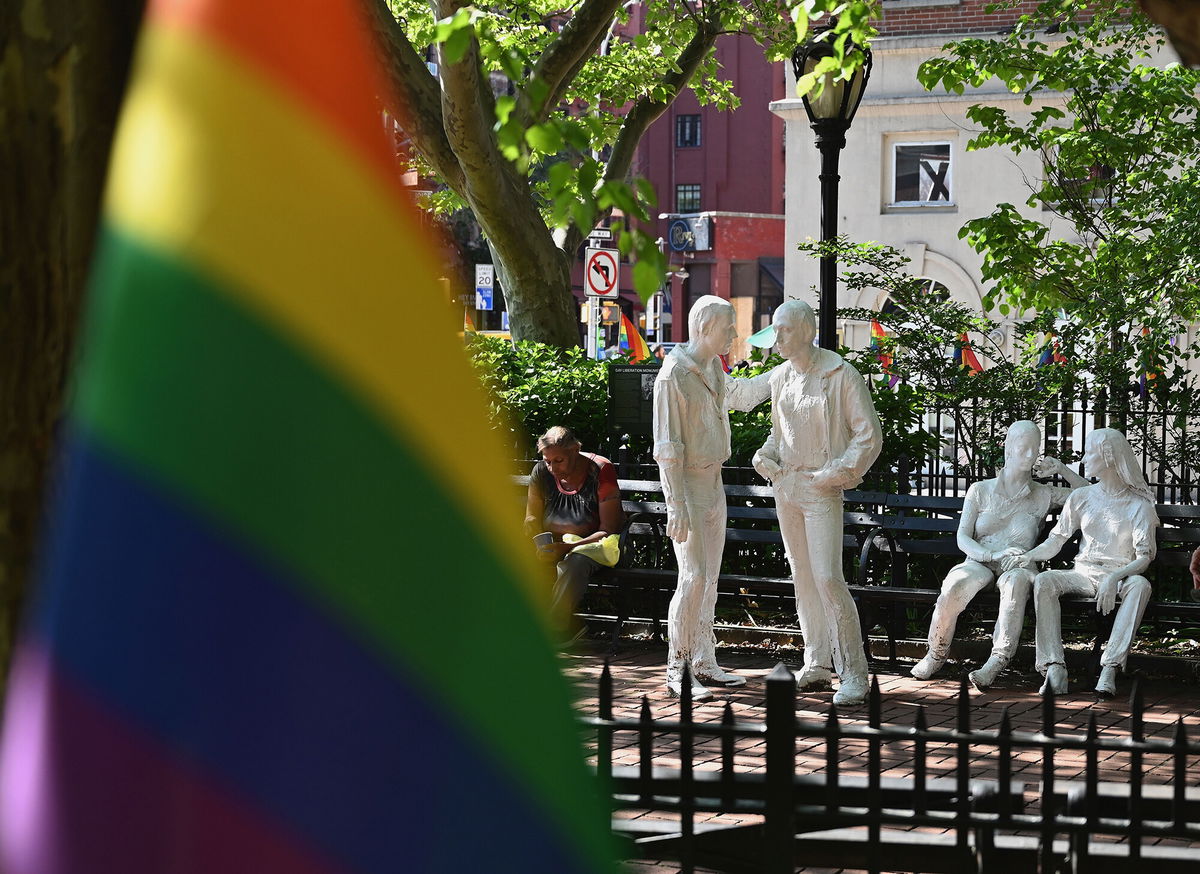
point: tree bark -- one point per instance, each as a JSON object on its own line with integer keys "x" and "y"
{"x": 63, "y": 68}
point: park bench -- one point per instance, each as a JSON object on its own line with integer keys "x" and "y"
{"x": 884, "y": 534}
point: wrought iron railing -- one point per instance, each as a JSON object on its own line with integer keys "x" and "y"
{"x": 953, "y": 821}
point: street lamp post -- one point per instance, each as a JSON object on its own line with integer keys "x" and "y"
{"x": 830, "y": 115}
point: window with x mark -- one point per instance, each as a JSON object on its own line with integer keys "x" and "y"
{"x": 922, "y": 173}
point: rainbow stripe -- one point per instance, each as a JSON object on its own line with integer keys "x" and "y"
{"x": 964, "y": 355}
{"x": 284, "y": 622}
{"x": 878, "y": 335}
{"x": 629, "y": 340}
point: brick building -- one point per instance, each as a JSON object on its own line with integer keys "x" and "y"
{"x": 723, "y": 174}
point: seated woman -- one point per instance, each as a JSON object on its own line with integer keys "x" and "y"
{"x": 571, "y": 493}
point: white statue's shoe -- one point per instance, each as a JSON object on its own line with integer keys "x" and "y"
{"x": 983, "y": 678}
{"x": 814, "y": 678}
{"x": 718, "y": 675}
{"x": 1056, "y": 680}
{"x": 851, "y": 691}
{"x": 699, "y": 693}
{"x": 927, "y": 667}
{"x": 1106, "y": 686}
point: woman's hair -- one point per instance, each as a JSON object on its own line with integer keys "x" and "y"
{"x": 1124, "y": 461}
{"x": 558, "y": 437}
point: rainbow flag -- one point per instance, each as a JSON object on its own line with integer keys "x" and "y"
{"x": 1147, "y": 375}
{"x": 258, "y": 643}
{"x": 878, "y": 335}
{"x": 964, "y": 355}
{"x": 1050, "y": 352}
{"x": 629, "y": 340}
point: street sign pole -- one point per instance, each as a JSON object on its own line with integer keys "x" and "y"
{"x": 592, "y": 324}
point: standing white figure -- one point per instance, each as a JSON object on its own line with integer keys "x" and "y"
{"x": 1001, "y": 519}
{"x": 824, "y": 435}
{"x": 1116, "y": 518}
{"x": 692, "y": 399}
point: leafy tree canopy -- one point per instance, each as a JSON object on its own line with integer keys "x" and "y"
{"x": 533, "y": 117}
{"x": 1119, "y": 137}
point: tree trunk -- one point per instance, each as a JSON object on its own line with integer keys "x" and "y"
{"x": 537, "y": 290}
{"x": 63, "y": 68}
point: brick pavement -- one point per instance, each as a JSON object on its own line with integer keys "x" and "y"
{"x": 638, "y": 671}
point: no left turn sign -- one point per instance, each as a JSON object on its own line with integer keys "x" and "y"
{"x": 600, "y": 274}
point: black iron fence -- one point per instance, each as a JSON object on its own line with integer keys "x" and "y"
{"x": 847, "y": 814}
{"x": 971, "y": 440}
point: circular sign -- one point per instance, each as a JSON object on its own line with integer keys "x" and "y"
{"x": 600, "y": 273}
{"x": 680, "y": 235}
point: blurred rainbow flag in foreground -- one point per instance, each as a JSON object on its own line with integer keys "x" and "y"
{"x": 282, "y": 623}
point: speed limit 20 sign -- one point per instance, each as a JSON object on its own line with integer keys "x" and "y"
{"x": 600, "y": 274}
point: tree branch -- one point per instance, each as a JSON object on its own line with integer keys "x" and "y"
{"x": 561, "y": 61}
{"x": 418, "y": 92}
{"x": 646, "y": 110}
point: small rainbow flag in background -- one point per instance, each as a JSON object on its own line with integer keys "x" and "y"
{"x": 964, "y": 355}
{"x": 629, "y": 340}
{"x": 259, "y": 643}
{"x": 878, "y": 335}
{"x": 1050, "y": 352}
{"x": 1147, "y": 375}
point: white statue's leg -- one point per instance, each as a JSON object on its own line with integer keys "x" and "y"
{"x": 825, "y": 527}
{"x": 1014, "y": 592}
{"x": 1048, "y": 588}
{"x": 818, "y": 650}
{"x": 1134, "y": 593}
{"x": 1015, "y": 586}
{"x": 704, "y": 656}
{"x": 685, "y": 615}
{"x": 963, "y": 583}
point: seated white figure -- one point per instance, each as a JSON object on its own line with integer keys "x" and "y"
{"x": 1116, "y": 520}
{"x": 1001, "y": 518}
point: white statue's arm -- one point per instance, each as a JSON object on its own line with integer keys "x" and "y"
{"x": 1048, "y": 548}
{"x": 1106, "y": 592}
{"x": 971, "y": 547}
{"x": 669, "y": 453}
{"x": 746, "y": 393}
{"x": 1048, "y": 467}
{"x": 866, "y": 437}
{"x": 1144, "y": 548}
{"x": 766, "y": 459}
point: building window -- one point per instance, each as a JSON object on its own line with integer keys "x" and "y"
{"x": 1094, "y": 185}
{"x": 922, "y": 173}
{"x": 687, "y": 198}
{"x": 687, "y": 131}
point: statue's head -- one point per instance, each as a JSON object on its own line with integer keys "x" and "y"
{"x": 1107, "y": 449}
{"x": 1022, "y": 444}
{"x": 711, "y": 325}
{"x": 795, "y": 327}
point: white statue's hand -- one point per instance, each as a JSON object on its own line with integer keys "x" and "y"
{"x": 677, "y": 522}
{"x": 826, "y": 480}
{"x": 768, "y": 468}
{"x": 1106, "y": 595}
{"x": 1044, "y": 468}
{"x": 1012, "y": 559}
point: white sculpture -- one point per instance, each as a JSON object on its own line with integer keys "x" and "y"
{"x": 1001, "y": 519}
{"x": 692, "y": 397}
{"x": 1116, "y": 518}
{"x": 824, "y": 435}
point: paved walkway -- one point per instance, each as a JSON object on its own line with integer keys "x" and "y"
{"x": 638, "y": 670}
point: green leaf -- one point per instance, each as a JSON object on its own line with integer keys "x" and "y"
{"x": 647, "y": 279}
{"x": 544, "y": 137}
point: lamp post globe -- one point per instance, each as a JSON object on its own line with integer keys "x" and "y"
{"x": 830, "y": 113}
